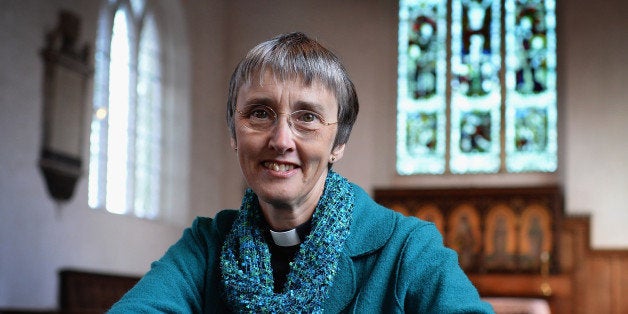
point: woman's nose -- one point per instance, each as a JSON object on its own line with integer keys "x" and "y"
{"x": 282, "y": 136}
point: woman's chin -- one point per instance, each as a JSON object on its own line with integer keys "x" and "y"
{"x": 276, "y": 196}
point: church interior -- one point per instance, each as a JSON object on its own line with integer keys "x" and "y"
{"x": 584, "y": 203}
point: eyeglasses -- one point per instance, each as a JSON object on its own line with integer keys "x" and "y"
{"x": 263, "y": 118}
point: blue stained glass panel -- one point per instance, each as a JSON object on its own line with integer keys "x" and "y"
{"x": 475, "y": 86}
{"x": 421, "y": 117}
{"x": 531, "y": 117}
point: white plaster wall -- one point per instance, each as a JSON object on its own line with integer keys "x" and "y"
{"x": 216, "y": 181}
{"x": 37, "y": 236}
{"x": 594, "y": 96}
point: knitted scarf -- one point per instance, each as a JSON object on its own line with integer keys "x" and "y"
{"x": 245, "y": 260}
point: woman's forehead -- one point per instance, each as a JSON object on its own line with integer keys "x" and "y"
{"x": 270, "y": 89}
{"x": 270, "y": 79}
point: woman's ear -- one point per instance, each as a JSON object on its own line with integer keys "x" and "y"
{"x": 337, "y": 153}
{"x": 234, "y": 145}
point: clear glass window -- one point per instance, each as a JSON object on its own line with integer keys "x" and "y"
{"x": 125, "y": 169}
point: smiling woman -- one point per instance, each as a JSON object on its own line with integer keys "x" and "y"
{"x": 305, "y": 239}
{"x": 286, "y": 162}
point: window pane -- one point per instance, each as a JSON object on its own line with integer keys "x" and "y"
{"x": 117, "y": 136}
{"x": 531, "y": 137}
{"x": 129, "y": 161}
{"x": 98, "y": 137}
{"x": 421, "y": 119}
{"x": 476, "y": 95}
{"x": 148, "y": 124}
{"x": 138, "y": 7}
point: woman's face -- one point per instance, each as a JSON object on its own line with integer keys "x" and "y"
{"x": 285, "y": 169}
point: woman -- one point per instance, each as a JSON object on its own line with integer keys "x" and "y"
{"x": 305, "y": 239}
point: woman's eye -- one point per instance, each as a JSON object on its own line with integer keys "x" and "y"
{"x": 308, "y": 117}
{"x": 260, "y": 113}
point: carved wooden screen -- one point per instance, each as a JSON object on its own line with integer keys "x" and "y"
{"x": 494, "y": 230}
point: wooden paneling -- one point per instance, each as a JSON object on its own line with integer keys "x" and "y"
{"x": 583, "y": 280}
{"x": 622, "y": 289}
{"x": 91, "y": 292}
{"x": 600, "y": 276}
{"x": 528, "y": 286}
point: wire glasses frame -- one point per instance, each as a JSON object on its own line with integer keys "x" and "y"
{"x": 264, "y": 118}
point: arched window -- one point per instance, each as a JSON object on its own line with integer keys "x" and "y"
{"x": 477, "y": 95}
{"x": 131, "y": 169}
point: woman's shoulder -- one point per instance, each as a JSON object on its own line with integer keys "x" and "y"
{"x": 375, "y": 225}
{"x": 219, "y": 225}
{"x": 370, "y": 212}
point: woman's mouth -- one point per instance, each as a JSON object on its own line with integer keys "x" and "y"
{"x": 276, "y": 166}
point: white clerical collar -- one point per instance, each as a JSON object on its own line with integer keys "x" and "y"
{"x": 286, "y": 238}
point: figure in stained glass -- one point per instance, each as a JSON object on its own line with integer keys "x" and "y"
{"x": 423, "y": 57}
{"x": 531, "y": 129}
{"x": 421, "y": 133}
{"x": 476, "y": 72}
{"x": 475, "y": 132}
{"x": 531, "y": 113}
{"x": 531, "y": 40}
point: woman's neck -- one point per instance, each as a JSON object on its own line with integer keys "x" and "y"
{"x": 283, "y": 218}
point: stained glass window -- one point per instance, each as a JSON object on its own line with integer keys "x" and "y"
{"x": 478, "y": 94}
{"x": 531, "y": 115}
{"x": 422, "y": 101}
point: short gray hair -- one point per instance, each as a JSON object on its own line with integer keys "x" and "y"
{"x": 296, "y": 56}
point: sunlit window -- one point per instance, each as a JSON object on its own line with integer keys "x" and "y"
{"x": 476, "y": 86}
{"x": 148, "y": 123}
{"x": 118, "y": 118}
{"x": 126, "y": 158}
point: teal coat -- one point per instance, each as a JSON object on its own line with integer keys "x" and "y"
{"x": 391, "y": 264}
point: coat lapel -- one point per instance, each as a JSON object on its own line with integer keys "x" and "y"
{"x": 371, "y": 228}
{"x": 343, "y": 289}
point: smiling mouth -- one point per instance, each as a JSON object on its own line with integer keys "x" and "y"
{"x": 278, "y": 166}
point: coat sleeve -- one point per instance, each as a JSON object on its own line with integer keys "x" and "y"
{"x": 430, "y": 279}
{"x": 175, "y": 282}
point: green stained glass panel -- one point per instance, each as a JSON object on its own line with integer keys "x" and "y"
{"x": 421, "y": 133}
{"x": 530, "y": 130}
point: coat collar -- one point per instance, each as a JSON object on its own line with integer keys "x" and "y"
{"x": 371, "y": 227}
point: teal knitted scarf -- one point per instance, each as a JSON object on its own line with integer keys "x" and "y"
{"x": 245, "y": 261}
